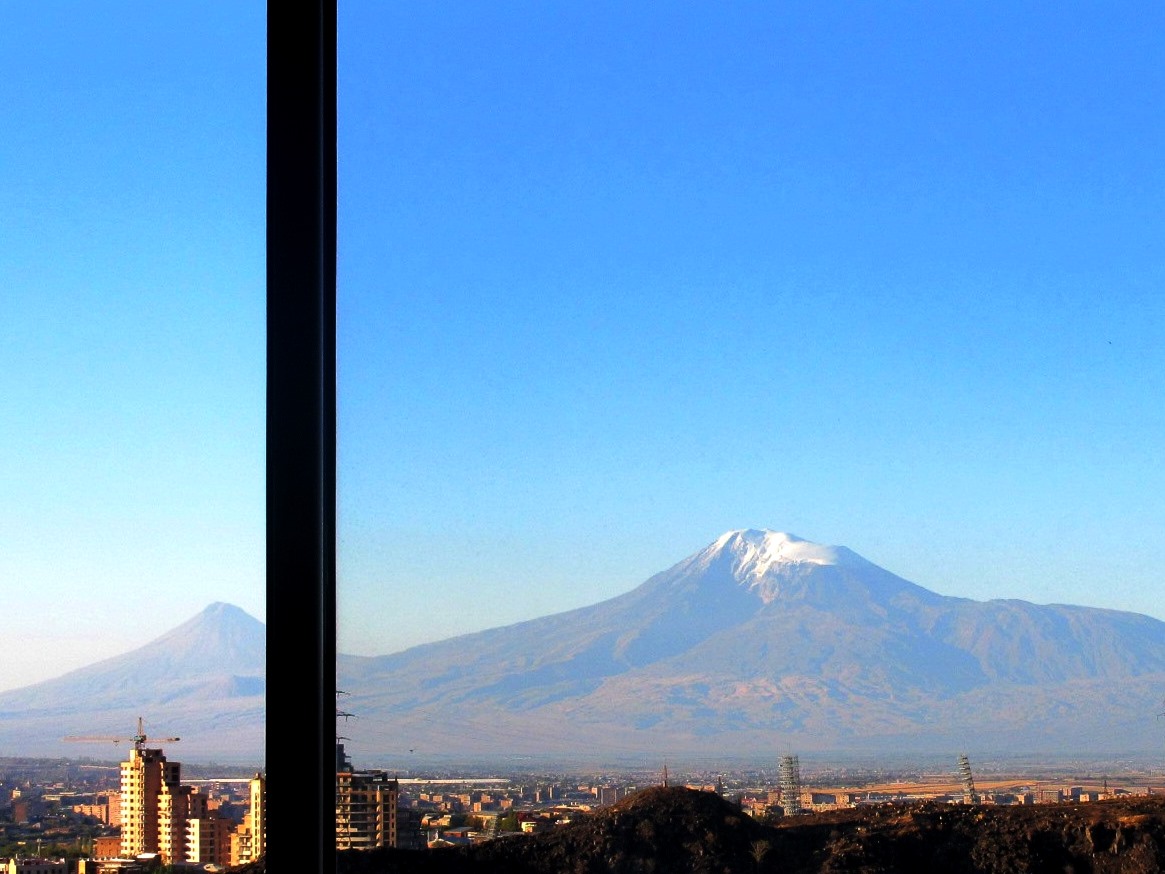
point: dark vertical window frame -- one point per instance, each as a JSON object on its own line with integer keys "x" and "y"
{"x": 301, "y": 433}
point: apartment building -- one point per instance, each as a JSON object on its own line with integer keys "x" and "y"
{"x": 147, "y": 778}
{"x": 161, "y": 816}
{"x": 366, "y": 807}
{"x": 208, "y": 840}
{"x": 249, "y": 841}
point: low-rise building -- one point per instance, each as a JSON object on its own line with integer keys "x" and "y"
{"x": 368, "y": 810}
{"x": 37, "y": 866}
{"x": 107, "y": 847}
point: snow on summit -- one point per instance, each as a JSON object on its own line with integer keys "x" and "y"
{"x": 760, "y": 555}
{"x": 757, "y": 551}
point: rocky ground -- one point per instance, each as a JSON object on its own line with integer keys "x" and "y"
{"x": 677, "y": 830}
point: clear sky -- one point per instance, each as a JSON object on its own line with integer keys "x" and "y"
{"x": 617, "y": 277}
{"x": 131, "y": 323}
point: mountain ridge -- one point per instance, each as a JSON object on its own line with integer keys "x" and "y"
{"x": 760, "y": 635}
{"x": 760, "y": 638}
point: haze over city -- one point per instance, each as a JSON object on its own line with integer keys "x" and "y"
{"x": 613, "y": 280}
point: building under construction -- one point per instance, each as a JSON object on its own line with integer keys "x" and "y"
{"x": 367, "y": 809}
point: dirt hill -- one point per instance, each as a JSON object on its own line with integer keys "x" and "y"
{"x": 677, "y": 831}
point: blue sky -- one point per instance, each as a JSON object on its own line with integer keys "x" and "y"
{"x": 131, "y": 324}
{"x": 614, "y": 278}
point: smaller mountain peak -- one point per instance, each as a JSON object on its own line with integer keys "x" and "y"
{"x": 221, "y": 610}
{"x": 214, "y": 621}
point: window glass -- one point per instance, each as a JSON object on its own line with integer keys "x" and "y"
{"x": 617, "y": 278}
{"x": 131, "y": 342}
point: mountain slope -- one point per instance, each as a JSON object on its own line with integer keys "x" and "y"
{"x": 763, "y": 638}
{"x": 204, "y": 681}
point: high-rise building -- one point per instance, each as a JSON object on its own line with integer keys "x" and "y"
{"x": 177, "y": 806}
{"x": 208, "y": 839}
{"x": 366, "y": 803}
{"x": 160, "y": 815}
{"x": 365, "y": 810}
{"x": 249, "y": 841}
{"x": 257, "y": 815}
{"x": 145, "y": 779}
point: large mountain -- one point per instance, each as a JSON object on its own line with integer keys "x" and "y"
{"x": 203, "y": 682}
{"x": 759, "y": 642}
{"x": 764, "y": 641}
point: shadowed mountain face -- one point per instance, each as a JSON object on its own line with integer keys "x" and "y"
{"x": 761, "y": 640}
{"x": 203, "y": 682}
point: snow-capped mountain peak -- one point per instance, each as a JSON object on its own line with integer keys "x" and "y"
{"x": 762, "y": 634}
{"x": 760, "y": 557}
{"x": 758, "y": 550}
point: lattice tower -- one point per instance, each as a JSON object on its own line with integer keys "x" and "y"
{"x": 791, "y": 784}
{"x": 969, "y": 793}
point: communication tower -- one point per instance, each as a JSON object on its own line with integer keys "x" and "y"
{"x": 970, "y": 796}
{"x": 791, "y": 785}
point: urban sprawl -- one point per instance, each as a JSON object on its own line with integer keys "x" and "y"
{"x": 77, "y": 818}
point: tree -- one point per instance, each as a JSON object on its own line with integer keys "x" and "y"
{"x": 759, "y": 850}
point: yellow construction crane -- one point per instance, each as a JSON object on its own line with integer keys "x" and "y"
{"x": 139, "y": 740}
